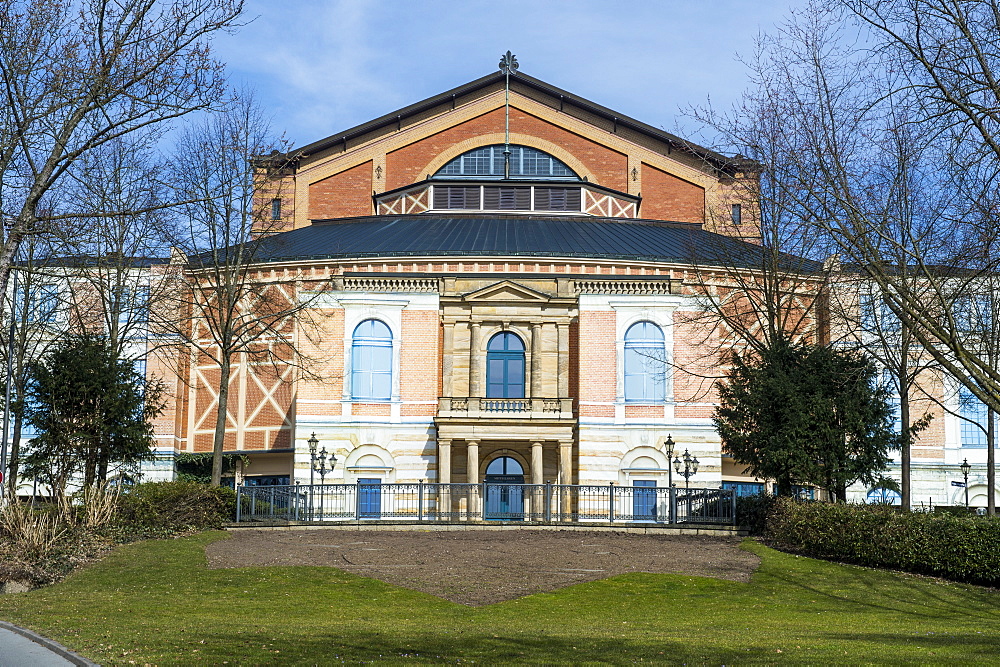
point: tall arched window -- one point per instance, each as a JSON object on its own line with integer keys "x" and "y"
{"x": 645, "y": 363}
{"x": 371, "y": 361}
{"x": 505, "y": 366}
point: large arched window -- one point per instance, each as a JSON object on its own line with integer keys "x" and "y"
{"x": 488, "y": 162}
{"x": 645, "y": 363}
{"x": 371, "y": 361}
{"x": 505, "y": 366}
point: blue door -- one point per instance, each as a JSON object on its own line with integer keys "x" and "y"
{"x": 369, "y": 498}
{"x": 504, "y": 489}
{"x": 644, "y": 500}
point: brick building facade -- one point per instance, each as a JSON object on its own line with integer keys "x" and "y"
{"x": 478, "y": 304}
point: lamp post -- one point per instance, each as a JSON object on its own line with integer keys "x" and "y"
{"x": 966, "y": 469}
{"x": 321, "y": 458}
{"x": 313, "y": 444}
{"x": 686, "y": 466}
{"x": 668, "y": 449}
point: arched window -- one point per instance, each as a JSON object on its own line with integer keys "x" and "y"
{"x": 645, "y": 363}
{"x": 504, "y": 465}
{"x": 505, "y": 366}
{"x": 882, "y": 496}
{"x": 488, "y": 162}
{"x": 371, "y": 361}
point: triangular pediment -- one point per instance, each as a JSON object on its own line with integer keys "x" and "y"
{"x": 507, "y": 290}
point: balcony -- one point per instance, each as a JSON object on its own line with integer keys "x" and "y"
{"x": 505, "y": 408}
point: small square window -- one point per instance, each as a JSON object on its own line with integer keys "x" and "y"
{"x": 737, "y": 214}
{"x": 276, "y": 208}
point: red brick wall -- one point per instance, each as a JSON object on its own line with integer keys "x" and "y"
{"x": 419, "y": 364}
{"x": 405, "y": 165}
{"x": 597, "y": 361}
{"x": 342, "y": 195}
{"x": 666, "y": 197}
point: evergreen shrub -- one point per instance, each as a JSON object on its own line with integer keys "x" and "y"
{"x": 165, "y": 508}
{"x": 752, "y": 512}
{"x": 960, "y": 548}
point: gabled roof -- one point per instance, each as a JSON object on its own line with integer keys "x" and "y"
{"x": 588, "y": 237}
{"x": 718, "y": 160}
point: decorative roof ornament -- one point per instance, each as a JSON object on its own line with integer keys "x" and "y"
{"x": 508, "y": 65}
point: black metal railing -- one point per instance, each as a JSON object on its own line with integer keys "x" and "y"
{"x": 454, "y": 503}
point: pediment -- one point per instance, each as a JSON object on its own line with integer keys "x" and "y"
{"x": 507, "y": 290}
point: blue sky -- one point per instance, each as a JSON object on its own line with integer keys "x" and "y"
{"x": 320, "y": 66}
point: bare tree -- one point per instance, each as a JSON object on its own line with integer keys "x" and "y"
{"x": 39, "y": 310}
{"x": 888, "y": 150}
{"x": 233, "y": 312}
{"x": 113, "y": 288}
{"x": 76, "y": 75}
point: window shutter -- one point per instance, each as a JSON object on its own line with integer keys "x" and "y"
{"x": 506, "y": 198}
{"x": 456, "y": 196}
{"x": 557, "y": 199}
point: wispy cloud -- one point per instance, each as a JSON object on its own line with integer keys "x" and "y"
{"x": 322, "y": 66}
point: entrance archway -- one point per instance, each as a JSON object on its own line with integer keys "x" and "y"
{"x": 504, "y": 481}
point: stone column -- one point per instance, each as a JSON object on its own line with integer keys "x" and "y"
{"x": 473, "y": 462}
{"x": 448, "y": 360}
{"x": 444, "y": 477}
{"x": 475, "y": 361}
{"x": 537, "y": 495}
{"x": 563, "y": 365}
{"x": 536, "y": 360}
{"x": 444, "y": 461}
{"x": 537, "y": 463}
{"x": 566, "y": 477}
{"x": 472, "y": 477}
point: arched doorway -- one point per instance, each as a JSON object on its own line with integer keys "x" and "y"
{"x": 504, "y": 489}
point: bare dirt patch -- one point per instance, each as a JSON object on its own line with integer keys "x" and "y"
{"x": 483, "y": 567}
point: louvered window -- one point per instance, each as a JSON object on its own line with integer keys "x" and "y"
{"x": 557, "y": 199}
{"x": 456, "y": 196}
{"x": 500, "y": 198}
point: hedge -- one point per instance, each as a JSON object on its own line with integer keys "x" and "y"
{"x": 157, "y": 509}
{"x": 961, "y": 548}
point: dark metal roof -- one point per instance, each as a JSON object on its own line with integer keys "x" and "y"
{"x": 582, "y": 237}
{"x": 718, "y": 160}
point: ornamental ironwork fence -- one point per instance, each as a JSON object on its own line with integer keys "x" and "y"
{"x": 454, "y": 503}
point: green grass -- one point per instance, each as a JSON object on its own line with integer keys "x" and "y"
{"x": 156, "y": 603}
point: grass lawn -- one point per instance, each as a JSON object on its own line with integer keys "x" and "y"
{"x": 156, "y": 603}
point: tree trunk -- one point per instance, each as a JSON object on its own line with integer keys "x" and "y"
{"x": 904, "y": 446}
{"x": 220, "y": 420}
{"x": 991, "y": 473}
{"x": 14, "y": 456}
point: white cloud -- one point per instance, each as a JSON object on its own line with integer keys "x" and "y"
{"x": 323, "y": 66}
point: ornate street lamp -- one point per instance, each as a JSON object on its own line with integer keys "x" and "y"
{"x": 313, "y": 444}
{"x": 966, "y": 469}
{"x": 668, "y": 449}
{"x": 317, "y": 462}
{"x": 686, "y": 466}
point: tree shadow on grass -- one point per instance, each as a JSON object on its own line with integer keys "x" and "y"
{"x": 449, "y": 646}
{"x": 896, "y": 592}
